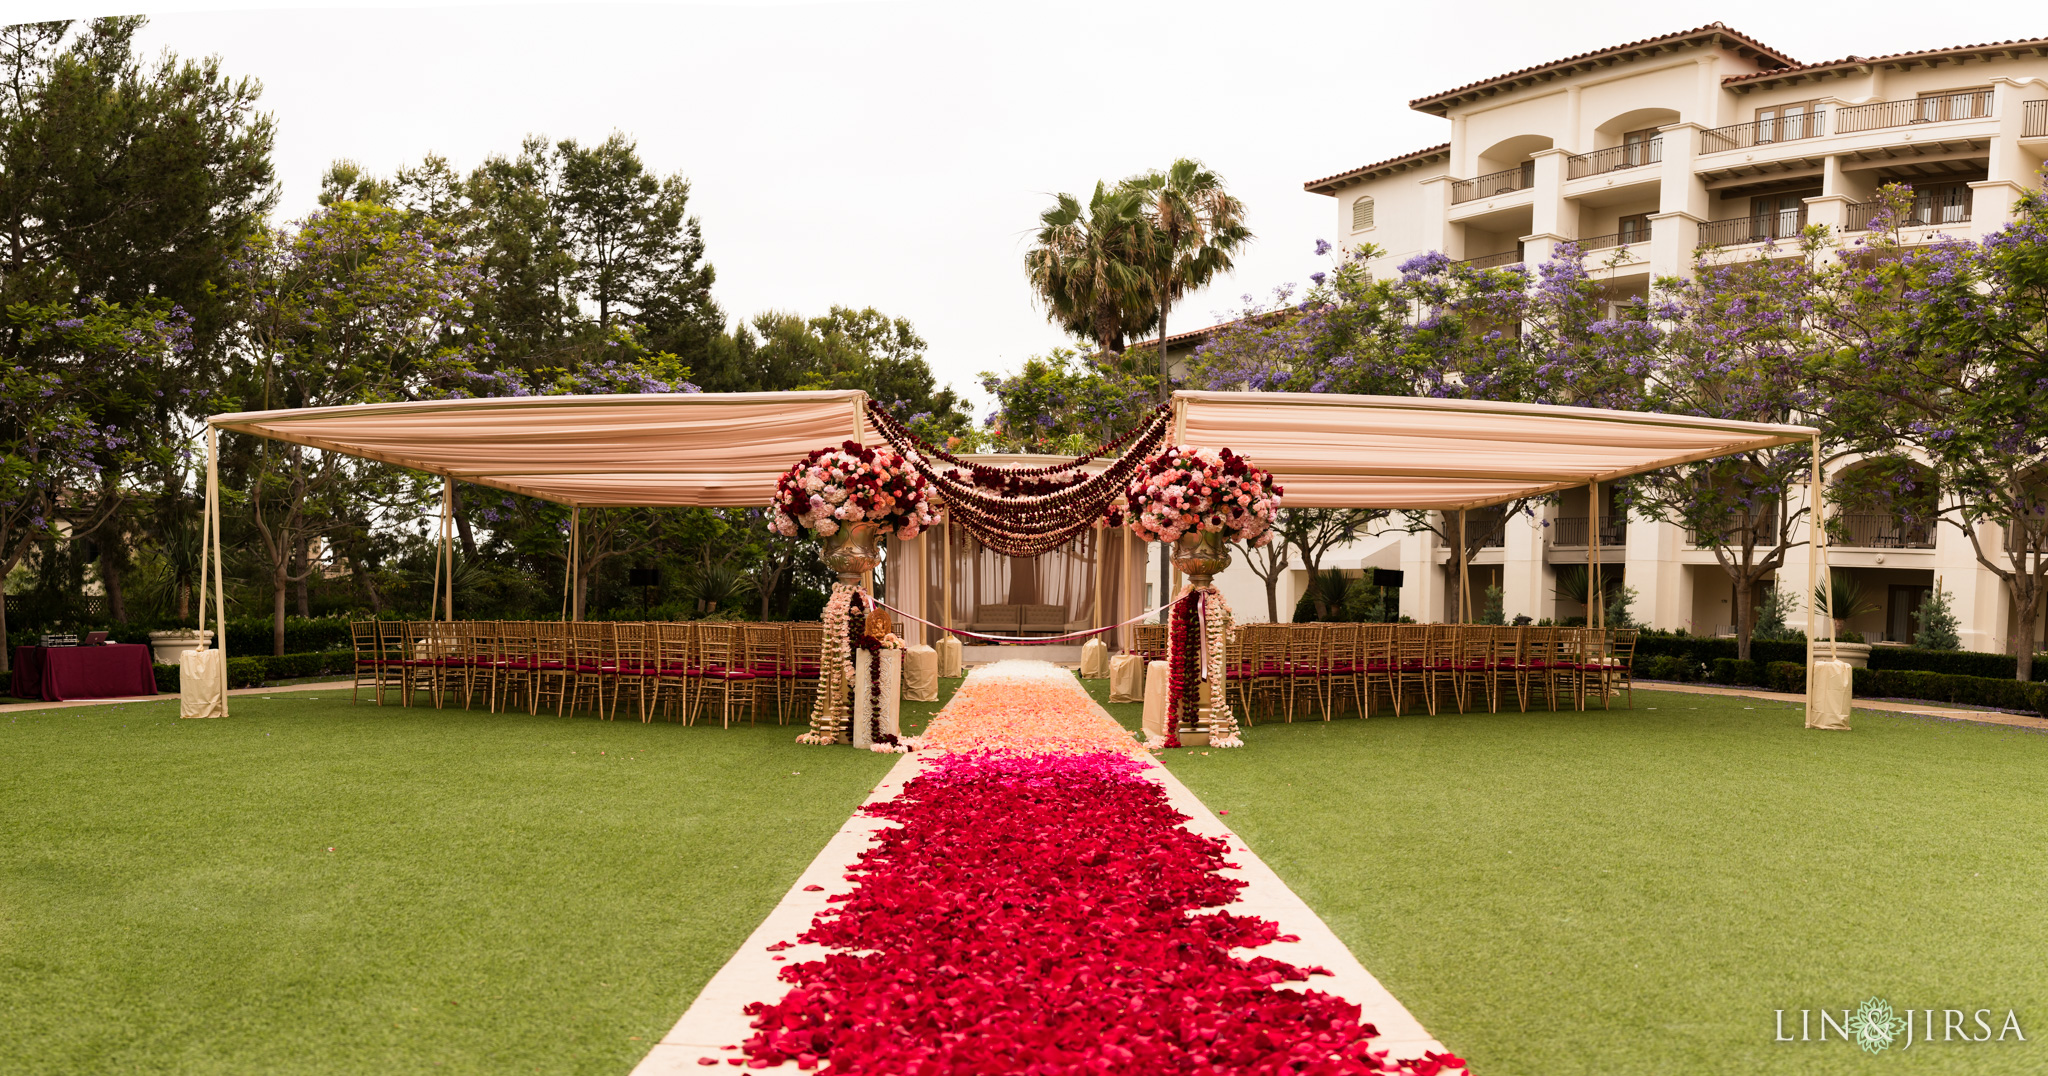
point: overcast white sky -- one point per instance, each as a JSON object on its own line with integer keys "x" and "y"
{"x": 897, "y": 154}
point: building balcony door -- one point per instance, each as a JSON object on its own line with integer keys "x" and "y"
{"x": 1902, "y": 616}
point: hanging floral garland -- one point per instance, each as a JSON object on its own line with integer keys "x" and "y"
{"x": 1026, "y": 511}
{"x": 831, "y": 708}
{"x": 835, "y": 487}
{"x": 1183, "y": 492}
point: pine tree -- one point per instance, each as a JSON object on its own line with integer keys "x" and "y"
{"x": 1937, "y": 622}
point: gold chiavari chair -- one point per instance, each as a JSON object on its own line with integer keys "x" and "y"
{"x": 1411, "y": 664}
{"x": 1539, "y": 659}
{"x": 593, "y": 657}
{"x": 518, "y": 670}
{"x": 1443, "y": 664}
{"x": 806, "y": 643}
{"x": 1570, "y": 662}
{"x": 721, "y": 649}
{"x": 1151, "y": 644}
{"x": 1304, "y": 667}
{"x": 1509, "y": 668}
{"x": 764, "y": 659}
{"x": 553, "y": 670}
{"x": 1618, "y": 671}
{"x": 636, "y": 650}
{"x": 671, "y": 657}
{"x": 477, "y": 650}
{"x": 1473, "y": 654}
{"x": 371, "y": 660}
{"x": 1376, "y": 666}
{"x": 421, "y": 672}
{"x": 1343, "y": 672}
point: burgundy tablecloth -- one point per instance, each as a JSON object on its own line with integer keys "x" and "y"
{"x": 56, "y": 673}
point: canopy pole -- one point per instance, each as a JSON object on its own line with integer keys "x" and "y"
{"x": 1596, "y": 617}
{"x": 946, "y": 574}
{"x": 1464, "y": 575}
{"x": 1821, "y": 538}
{"x": 206, "y": 528}
{"x": 448, "y": 540}
{"x": 1101, "y": 539}
{"x": 1812, "y": 566}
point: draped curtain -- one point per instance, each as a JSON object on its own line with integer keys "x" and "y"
{"x": 1066, "y": 577}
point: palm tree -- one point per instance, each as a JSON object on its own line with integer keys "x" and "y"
{"x": 1198, "y": 225}
{"x": 1093, "y": 268}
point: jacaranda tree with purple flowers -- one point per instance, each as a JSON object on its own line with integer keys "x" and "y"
{"x": 1941, "y": 353}
{"x": 1737, "y": 335}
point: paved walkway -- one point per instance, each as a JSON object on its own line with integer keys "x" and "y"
{"x": 714, "y": 1021}
{"x": 14, "y": 706}
{"x": 1888, "y": 706}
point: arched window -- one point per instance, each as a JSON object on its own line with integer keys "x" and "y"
{"x": 1361, "y": 214}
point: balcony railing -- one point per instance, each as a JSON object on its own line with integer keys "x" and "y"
{"x": 1764, "y": 132}
{"x": 1494, "y": 261}
{"x": 1633, "y": 237}
{"x": 1878, "y": 530}
{"x": 2034, "y": 121}
{"x": 1571, "y": 531}
{"x": 1937, "y": 208}
{"x": 1735, "y": 535}
{"x": 1782, "y": 224}
{"x": 1505, "y": 181}
{"x": 1972, "y": 105}
{"x": 1634, "y": 155}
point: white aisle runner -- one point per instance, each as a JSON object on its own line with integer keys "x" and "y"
{"x": 715, "y": 1021}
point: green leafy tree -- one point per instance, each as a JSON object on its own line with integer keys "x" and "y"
{"x": 1938, "y": 624}
{"x": 1093, "y": 267}
{"x": 1198, "y": 228}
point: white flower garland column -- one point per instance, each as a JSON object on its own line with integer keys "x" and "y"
{"x": 1218, "y": 720}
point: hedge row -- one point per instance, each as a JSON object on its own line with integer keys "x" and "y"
{"x": 255, "y": 672}
{"x": 1790, "y": 676}
{"x": 1705, "y": 651}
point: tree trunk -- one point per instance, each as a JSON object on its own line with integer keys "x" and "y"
{"x": 1273, "y": 598}
{"x": 6, "y": 652}
{"x": 184, "y": 602}
{"x": 303, "y": 584}
{"x": 2026, "y": 598}
{"x": 462, "y": 531}
{"x": 110, "y": 579}
{"x": 361, "y": 572}
{"x": 1744, "y": 586}
{"x": 278, "y": 588}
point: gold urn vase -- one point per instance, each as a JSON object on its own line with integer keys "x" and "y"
{"x": 1200, "y": 555}
{"x": 853, "y": 550}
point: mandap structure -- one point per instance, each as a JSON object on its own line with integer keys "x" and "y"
{"x": 733, "y": 450}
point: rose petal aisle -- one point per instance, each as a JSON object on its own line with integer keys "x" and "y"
{"x": 1039, "y": 906}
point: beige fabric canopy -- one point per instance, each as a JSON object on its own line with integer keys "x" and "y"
{"x": 711, "y": 449}
{"x": 727, "y": 449}
{"x": 1338, "y": 451}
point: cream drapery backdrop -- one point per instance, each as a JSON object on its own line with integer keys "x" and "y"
{"x": 1100, "y": 559}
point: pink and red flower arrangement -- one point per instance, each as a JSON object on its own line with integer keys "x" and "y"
{"x": 835, "y": 487}
{"x": 1038, "y": 913}
{"x": 1185, "y": 490}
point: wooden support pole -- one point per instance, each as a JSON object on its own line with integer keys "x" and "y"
{"x": 1596, "y": 614}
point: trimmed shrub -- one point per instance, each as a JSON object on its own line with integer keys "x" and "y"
{"x": 1787, "y": 676}
{"x": 1738, "y": 673}
{"x": 1940, "y": 687}
{"x": 1682, "y": 670}
{"x": 1953, "y": 662}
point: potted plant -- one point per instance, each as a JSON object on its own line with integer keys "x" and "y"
{"x": 167, "y": 645}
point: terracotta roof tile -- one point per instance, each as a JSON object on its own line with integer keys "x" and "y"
{"x": 1438, "y": 103}
{"x": 1859, "y": 61}
{"x": 1318, "y": 185}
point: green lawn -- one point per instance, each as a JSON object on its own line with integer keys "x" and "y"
{"x": 1637, "y": 892}
{"x": 1631, "y": 892}
{"x": 503, "y": 894}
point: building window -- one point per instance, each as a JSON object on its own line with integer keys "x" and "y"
{"x": 1970, "y": 104}
{"x": 1635, "y": 148}
{"x": 1361, "y": 215}
{"x": 1779, "y": 216}
{"x": 1784, "y": 123}
{"x": 1946, "y": 203}
{"x": 1635, "y": 228}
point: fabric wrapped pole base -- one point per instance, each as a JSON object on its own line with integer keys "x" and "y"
{"x": 1094, "y": 659}
{"x": 202, "y": 684}
{"x": 920, "y": 674}
{"x": 1827, "y": 695}
{"x": 864, "y": 701}
{"x": 1156, "y": 690}
{"x": 949, "y": 656}
{"x": 1127, "y": 678}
